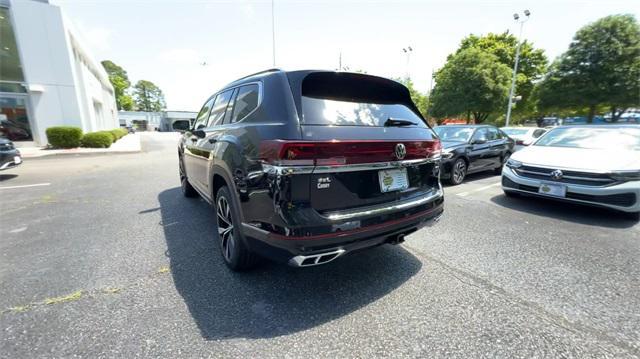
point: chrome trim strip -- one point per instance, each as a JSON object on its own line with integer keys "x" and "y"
{"x": 565, "y": 176}
{"x": 382, "y": 209}
{"x": 284, "y": 170}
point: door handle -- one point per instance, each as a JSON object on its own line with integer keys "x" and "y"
{"x": 212, "y": 140}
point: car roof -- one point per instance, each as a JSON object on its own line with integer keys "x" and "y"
{"x": 473, "y": 125}
{"x": 600, "y": 126}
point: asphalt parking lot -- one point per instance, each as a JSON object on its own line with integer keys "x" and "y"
{"x": 101, "y": 256}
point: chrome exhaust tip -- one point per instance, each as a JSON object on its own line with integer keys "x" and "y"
{"x": 315, "y": 259}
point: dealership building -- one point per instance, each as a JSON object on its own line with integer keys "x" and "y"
{"x": 47, "y": 76}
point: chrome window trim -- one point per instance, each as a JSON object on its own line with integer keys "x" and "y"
{"x": 290, "y": 170}
{"x": 382, "y": 209}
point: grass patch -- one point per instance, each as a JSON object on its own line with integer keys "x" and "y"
{"x": 20, "y": 308}
{"x": 111, "y": 290}
{"x": 63, "y": 299}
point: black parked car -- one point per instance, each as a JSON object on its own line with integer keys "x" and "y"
{"x": 9, "y": 155}
{"x": 472, "y": 148}
{"x": 305, "y": 166}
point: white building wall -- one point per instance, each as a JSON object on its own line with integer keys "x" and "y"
{"x": 64, "y": 79}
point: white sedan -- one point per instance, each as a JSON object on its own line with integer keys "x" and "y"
{"x": 524, "y": 136}
{"x": 594, "y": 165}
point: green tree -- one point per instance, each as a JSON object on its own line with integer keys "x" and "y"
{"x": 120, "y": 82}
{"x": 148, "y": 97}
{"x": 531, "y": 66}
{"x": 417, "y": 97}
{"x": 600, "y": 68}
{"x": 472, "y": 82}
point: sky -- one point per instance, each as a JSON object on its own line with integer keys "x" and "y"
{"x": 191, "y": 48}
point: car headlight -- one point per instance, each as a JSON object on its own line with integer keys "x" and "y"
{"x": 446, "y": 154}
{"x": 626, "y": 175}
{"x": 511, "y": 163}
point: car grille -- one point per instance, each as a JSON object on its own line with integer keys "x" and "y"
{"x": 618, "y": 199}
{"x": 569, "y": 177}
{"x": 6, "y": 147}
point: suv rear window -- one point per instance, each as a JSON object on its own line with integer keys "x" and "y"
{"x": 354, "y": 100}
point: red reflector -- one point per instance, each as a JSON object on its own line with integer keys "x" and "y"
{"x": 330, "y": 153}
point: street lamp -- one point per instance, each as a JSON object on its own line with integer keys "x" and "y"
{"x": 407, "y": 50}
{"x": 516, "y": 17}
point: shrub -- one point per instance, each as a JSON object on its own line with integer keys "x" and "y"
{"x": 118, "y": 133}
{"x": 100, "y": 139}
{"x": 64, "y": 136}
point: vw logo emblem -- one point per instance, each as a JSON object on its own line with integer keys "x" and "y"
{"x": 556, "y": 175}
{"x": 401, "y": 151}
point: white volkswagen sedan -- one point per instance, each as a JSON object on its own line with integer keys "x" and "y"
{"x": 594, "y": 165}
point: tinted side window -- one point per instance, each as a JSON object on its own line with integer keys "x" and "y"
{"x": 227, "y": 114}
{"x": 538, "y": 133}
{"x": 246, "y": 101}
{"x": 219, "y": 108}
{"x": 203, "y": 115}
{"x": 492, "y": 134}
{"x": 481, "y": 134}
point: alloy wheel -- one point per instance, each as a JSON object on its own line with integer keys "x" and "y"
{"x": 459, "y": 171}
{"x": 225, "y": 228}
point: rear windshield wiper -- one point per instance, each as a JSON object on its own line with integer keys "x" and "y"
{"x": 391, "y": 122}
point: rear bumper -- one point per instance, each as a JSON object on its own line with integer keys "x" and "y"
{"x": 623, "y": 197}
{"x": 285, "y": 249}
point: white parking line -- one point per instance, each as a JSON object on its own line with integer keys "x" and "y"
{"x": 26, "y": 185}
{"x": 464, "y": 194}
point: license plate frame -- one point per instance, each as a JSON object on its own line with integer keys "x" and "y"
{"x": 553, "y": 189}
{"x": 393, "y": 180}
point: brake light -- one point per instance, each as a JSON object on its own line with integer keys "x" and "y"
{"x": 332, "y": 153}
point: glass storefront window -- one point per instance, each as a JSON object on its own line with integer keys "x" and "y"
{"x": 14, "y": 123}
{"x": 10, "y": 67}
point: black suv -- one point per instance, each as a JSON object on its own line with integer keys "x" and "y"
{"x": 472, "y": 148}
{"x": 305, "y": 166}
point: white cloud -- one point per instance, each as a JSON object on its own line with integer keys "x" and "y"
{"x": 96, "y": 37}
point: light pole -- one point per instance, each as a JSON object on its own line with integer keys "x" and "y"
{"x": 273, "y": 32}
{"x": 516, "y": 17}
{"x": 407, "y": 50}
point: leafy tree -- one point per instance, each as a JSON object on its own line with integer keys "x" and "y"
{"x": 148, "y": 97}
{"x": 120, "y": 82}
{"x": 531, "y": 66}
{"x": 600, "y": 68}
{"x": 417, "y": 97}
{"x": 472, "y": 82}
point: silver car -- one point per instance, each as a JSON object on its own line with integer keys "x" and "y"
{"x": 594, "y": 165}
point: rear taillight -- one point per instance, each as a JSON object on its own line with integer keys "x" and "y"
{"x": 331, "y": 153}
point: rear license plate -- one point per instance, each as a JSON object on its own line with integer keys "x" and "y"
{"x": 17, "y": 160}
{"x": 552, "y": 189}
{"x": 393, "y": 180}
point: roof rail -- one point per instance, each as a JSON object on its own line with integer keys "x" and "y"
{"x": 258, "y": 73}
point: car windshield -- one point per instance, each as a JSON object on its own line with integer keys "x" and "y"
{"x": 515, "y": 131}
{"x": 616, "y": 138}
{"x": 459, "y": 134}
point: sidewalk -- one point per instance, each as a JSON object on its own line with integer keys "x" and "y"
{"x": 128, "y": 143}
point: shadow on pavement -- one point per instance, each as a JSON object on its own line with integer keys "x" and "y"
{"x": 5, "y": 177}
{"x": 273, "y": 299}
{"x": 581, "y": 214}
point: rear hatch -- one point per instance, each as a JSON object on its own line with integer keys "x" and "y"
{"x": 362, "y": 127}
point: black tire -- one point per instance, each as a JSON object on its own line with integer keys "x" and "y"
{"x": 187, "y": 188}
{"x": 458, "y": 172}
{"x": 233, "y": 247}
{"x": 503, "y": 160}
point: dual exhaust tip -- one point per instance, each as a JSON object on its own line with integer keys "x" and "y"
{"x": 326, "y": 257}
{"x": 315, "y": 259}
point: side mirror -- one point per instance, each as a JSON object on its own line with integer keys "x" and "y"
{"x": 199, "y": 133}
